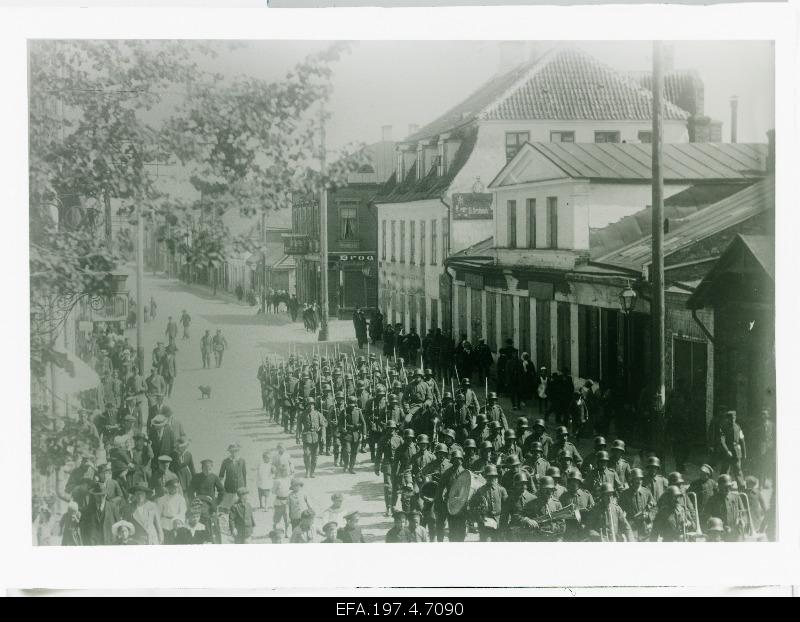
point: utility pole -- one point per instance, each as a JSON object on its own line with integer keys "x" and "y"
{"x": 323, "y": 234}
{"x": 264, "y": 263}
{"x": 657, "y": 311}
{"x": 140, "y": 289}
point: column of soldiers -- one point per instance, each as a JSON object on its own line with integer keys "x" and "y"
{"x": 523, "y": 484}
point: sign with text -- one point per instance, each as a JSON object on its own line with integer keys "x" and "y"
{"x": 351, "y": 257}
{"x": 472, "y": 206}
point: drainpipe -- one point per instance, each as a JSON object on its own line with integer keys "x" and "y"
{"x": 450, "y": 277}
{"x": 702, "y": 326}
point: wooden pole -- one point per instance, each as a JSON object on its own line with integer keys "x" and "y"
{"x": 657, "y": 310}
{"x": 323, "y": 235}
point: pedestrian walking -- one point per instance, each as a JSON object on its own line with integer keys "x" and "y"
{"x": 206, "y": 347}
{"x": 240, "y": 518}
{"x": 172, "y": 330}
{"x": 186, "y": 322}
{"x": 220, "y": 344}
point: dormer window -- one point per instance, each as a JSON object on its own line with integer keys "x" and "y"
{"x": 514, "y": 142}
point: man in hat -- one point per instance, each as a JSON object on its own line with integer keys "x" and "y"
{"x": 206, "y": 483}
{"x": 206, "y": 347}
{"x": 98, "y": 517}
{"x": 404, "y": 458}
{"x": 183, "y": 464}
{"x": 497, "y": 439}
{"x": 434, "y": 470}
{"x": 481, "y": 432}
{"x": 653, "y": 480}
{"x": 639, "y": 506}
{"x": 122, "y": 533}
{"x": 494, "y": 412}
{"x": 113, "y": 488}
{"x": 240, "y": 518}
{"x": 172, "y": 330}
{"x": 186, "y": 322}
{"x": 728, "y": 506}
{"x": 488, "y": 504}
{"x": 619, "y": 463}
{"x": 470, "y": 399}
{"x": 354, "y": 427}
{"x": 510, "y": 446}
{"x": 304, "y": 532}
{"x": 471, "y": 456}
{"x": 311, "y": 424}
{"x": 590, "y": 461}
{"x": 335, "y": 513}
{"x": 161, "y": 477}
{"x": 162, "y": 440}
{"x": 329, "y": 530}
{"x": 583, "y": 501}
{"x": 563, "y": 442}
{"x": 523, "y": 432}
{"x": 607, "y": 522}
{"x": 297, "y": 502}
{"x": 233, "y": 470}
{"x": 136, "y": 392}
{"x": 704, "y": 487}
{"x": 672, "y": 522}
{"x": 384, "y": 464}
{"x": 511, "y": 466}
{"x": 376, "y": 415}
{"x": 422, "y": 458}
{"x": 351, "y": 532}
{"x": 416, "y": 531}
{"x": 172, "y": 510}
{"x": 519, "y": 498}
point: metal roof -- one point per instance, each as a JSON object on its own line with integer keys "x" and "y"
{"x": 633, "y": 161}
{"x": 722, "y": 215}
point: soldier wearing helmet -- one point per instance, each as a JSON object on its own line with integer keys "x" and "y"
{"x": 619, "y": 462}
{"x": 602, "y": 474}
{"x": 422, "y": 458}
{"x": 672, "y": 522}
{"x": 486, "y": 456}
{"x": 456, "y": 523}
{"x": 562, "y": 442}
{"x": 538, "y": 435}
{"x": 510, "y": 447}
{"x": 581, "y": 499}
{"x": 487, "y": 505}
{"x": 377, "y": 414}
{"x": 520, "y": 499}
{"x": 639, "y": 505}
{"x": 558, "y": 478}
{"x": 433, "y": 471}
{"x": 494, "y": 412}
{"x": 448, "y": 437}
{"x": 535, "y": 459}
{"x": 590, "y": 462}
{"x": 384, "y": 464}
{"x": 481, "y": 432}
{"x": 715, "y": 530}
{"x": 704, "y": 487}
{"x": 607, "y": 522}
{"x": 457, "y": 416}
{"x": 471, "y": 457}
{"x": 653, "y": 480}
{"x": 327, "y": 407}
{"x": 546, "y": 503}
{"x": 404, "y": 458}
{"x": 511, "y": 466}
{"x": 728, "y": 506}
{"x": 353, "y": 426}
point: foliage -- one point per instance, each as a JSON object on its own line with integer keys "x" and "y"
{"x": 56, "y": 441}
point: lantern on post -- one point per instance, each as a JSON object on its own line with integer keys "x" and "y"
{"x": 627, "y": 299}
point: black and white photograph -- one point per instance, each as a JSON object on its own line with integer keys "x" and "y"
{"x": 401, "y": 292}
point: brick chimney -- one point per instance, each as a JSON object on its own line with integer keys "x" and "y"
{"x": 734, "y": 118}
{"x": 386, "y": 133}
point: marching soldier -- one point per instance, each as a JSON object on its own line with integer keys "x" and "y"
{"x": 494, "y": 412}
{"x": 704, "y": 487}
{"x": 653, "y": 481}
{"x": 520, "y": 498}
{"x": 290, "y": 388}
{"x": 619, "y": 463}
{"x": 535, "y": 460}
{"x": 607, "y": 522}
{"x": 563, "y": 442}
{"x": 512, "y": 466}
{"x": 639, "y": 506}
{"x": 545, "y": 503}
{"x": 354, "y": 426}
{"x": 672, "y": 523}
{"x": 590, "y": 462}
{"x": 481, "y": 432}
{"x": 602, "y": 474}
{"x": 488, "y": 504}
{"x": 327, "y": 408}
{"x": 471, "y": 457}
{"x": 376, "y": 415}
{"x": 583, "y": 502}
{"x": 727, "y": 505}
{"x": 311, "y": 424}
{"x": 555, "y": 473}
{"x": 510, "y": 447}
{"x": 456, "y": 523}
{"x": 403, "y": 460}
{"x": 433, "y": 471}
{"x": 538, "y": 435}
{"x": 470, "y": 399}
{"x": 421, "y": 459}
{"x": 497, "y": 439}
{"x": 384, "y": 463}
{"x": 396, "y": 412}
{"x": 448, "y": 437}
{"x": 486, "y": 456}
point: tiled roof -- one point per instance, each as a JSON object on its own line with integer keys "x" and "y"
{"x": 682, "y": 205}
{"x": 480, "y": 248}
{"x": 564, "y": 83}
{"x": 569, "y": 84}
{"x": 633, "y": 161}
{"x": 753, "y": 200}
{"x": 763, "y": 249}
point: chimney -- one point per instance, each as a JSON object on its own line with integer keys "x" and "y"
{"x": 668, "y": 58}
{"x": 771, "y": 152}
{"x": 413, "y": 128}
{"x": 734, "y": 117}
{"x": 512, "y": 54}
{"x": 386, "y": 133}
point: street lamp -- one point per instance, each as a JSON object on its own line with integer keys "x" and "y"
{"x": 627, "y": 299}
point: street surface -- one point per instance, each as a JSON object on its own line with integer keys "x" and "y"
{"x": 234, "y": 414}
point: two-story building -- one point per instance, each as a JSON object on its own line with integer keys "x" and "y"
{"x": 352, "y": 237}
{"x": 436, "y": 203}
{"x": 571, "y": 233}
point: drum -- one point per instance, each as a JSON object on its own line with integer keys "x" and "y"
{"x": 461, "y": 490}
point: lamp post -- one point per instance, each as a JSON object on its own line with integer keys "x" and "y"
{"x": 323, "y": 235}
{"x": 627, "y": 303}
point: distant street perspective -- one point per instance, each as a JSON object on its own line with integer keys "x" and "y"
{"x": 543, "y": 312}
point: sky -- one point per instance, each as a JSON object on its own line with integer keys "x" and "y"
{"x": 399, "y": 83}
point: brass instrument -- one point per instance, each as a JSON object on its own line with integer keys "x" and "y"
{"x": 564, "y": 513}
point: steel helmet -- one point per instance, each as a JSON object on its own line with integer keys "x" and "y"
{"x": 675, "y": 479}
{"x": 408, "y": 433}
{"x": 574, "y": 474}
{"x": 562, "y": 431}
{"x": 486, "y": 445}
{"x": 490, "y": 470}
{"x": 553, "y": 471}
{"x": 606, "y": 488}
{"x": 653, "y": 461}
{"x": 522, "y": 476}
{"x": 440, "y": 447}
{"x": 637, "y": 473}
{"x": 619, "y": 445}
{"x": 423, "y": 439}
{"x": 536, "y": 446}
{"x": 512, "y": 460}
{"x": 599, "y": 441}
{"x": 510, "y": 434}
{"x": 456, "y": 453}
{"x": 602, "y": 456}
{"x": 547, "y": 483}
{"x": 674, "y": 492}
{"x": 715, "y": 525}
{"x": 470, "y": 444}
{"x": 724, "y": 480}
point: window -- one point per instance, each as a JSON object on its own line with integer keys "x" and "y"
{"x": 402, "y": 241}
{"x": 645, "y": 136}
{"x": 511, "y": 208}
{"x": 348, "y": 223}
{"x": 552, "y": 222}
{"x": 394, "y": 240}
{"x": 606, "y": 137}
{"x": 412, "y": 232}
{"x": 433, "y": 242}
{"x": 366, "y": 168}
{"x": 445, "y": 238}
{"x": 421, "y": 162}
{"x": 383, "y": 240}
{"x": 514, "y": 142}
{"x": 530, "y": 208}
{"x": 562, "y": 137}
{"x": 422, "y": 242}
{"x": 442, "y": 158}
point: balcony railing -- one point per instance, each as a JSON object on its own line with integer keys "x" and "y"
{"x": 296, "y": 244}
